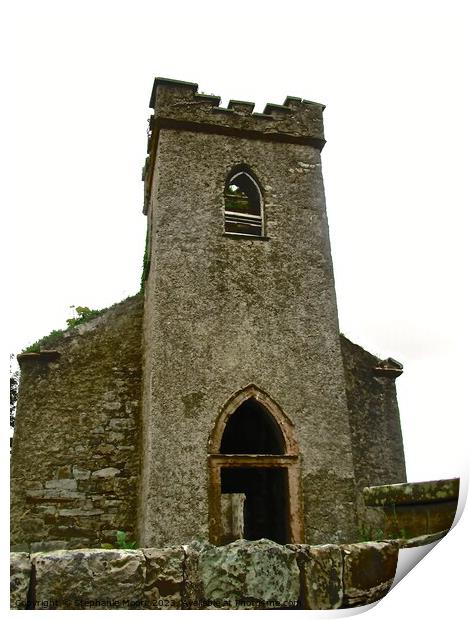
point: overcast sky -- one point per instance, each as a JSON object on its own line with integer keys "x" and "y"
{"x": 393, "y": 84}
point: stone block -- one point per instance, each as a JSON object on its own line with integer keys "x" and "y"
{"x": 164, "y": 578}
{"x": 80, "y": 474}
{"x": 89, "y": 579}
{"x": 20, "y": 573}
{"x": 64, "y": 471}
{"x": 59, "y": 495}
{"x": 79, "y": 512}
{"x": 368, "y": 571}
{"x": 107, "y": 472}
{"x": 66, "y": 484}
{"x": 321, "y": 576}
{"x": 119, "y": 424}
{"x": 232, "y": 516}
{"x": 193, "y": 588}
{"x": 248, "y": 575}
{"x": 52, "y": 545}
{"x": 112, "y": 405}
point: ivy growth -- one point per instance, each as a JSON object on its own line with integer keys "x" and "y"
{"x": 145, "y": 265}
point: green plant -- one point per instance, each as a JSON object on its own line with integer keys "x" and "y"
{"x": 394, "y": 530}
{"x": 84, "y": 314}
{"x": 366, "y": 533}
{"x": 122, "y": 542}
{"x": 45, "y": 342}
{"x": 145, "y": 265}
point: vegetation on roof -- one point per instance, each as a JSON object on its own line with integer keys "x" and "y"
{"x": 83, "y": 315}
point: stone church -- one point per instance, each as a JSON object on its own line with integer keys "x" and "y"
{"x": 221, "y": 402}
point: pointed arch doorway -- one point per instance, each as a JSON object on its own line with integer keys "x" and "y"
{"x": 254, "y": 464}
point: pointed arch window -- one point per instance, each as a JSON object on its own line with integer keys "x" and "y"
{"x": 243, "y": 205}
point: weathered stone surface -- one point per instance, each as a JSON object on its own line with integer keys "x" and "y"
{"x": 89, "y": 579}
{"x": 193, "y": 592}
{"x": 180, "y": 101}
{"x": 242, "y": 575}
{"x": 49, "y": 545}
{"x": 52, "y": 466}
{"x": 20, "y": 573}
{"x": 374, "y": 419}
{"x": 413, "y": 492}
{"x": 248, "y": 574}
{"x": 414, "y": 509}
{"x": 164, "y": 578}
{"x": 419, "y": 541}
{"x": 232, "y": 511}
{"x": 81, "y": 474}
{"x": 63, "y": 483}
{"x": 321, "y": 576}
{"x": 368, "y": 571}
{"x": 223, "y": 313}
{"x": 107, "y": 472}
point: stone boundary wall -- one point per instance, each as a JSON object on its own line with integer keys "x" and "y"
{"x": 242, "y": 575}
{"x": 412, "y": 509}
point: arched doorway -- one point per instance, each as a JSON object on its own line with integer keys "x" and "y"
{"x": 254, "y": 472}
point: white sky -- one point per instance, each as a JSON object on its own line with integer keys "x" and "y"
{"x": 393, "y": 83}
{"x": 393, "y": 76}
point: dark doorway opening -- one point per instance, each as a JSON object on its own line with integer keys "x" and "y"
{"x": 265, "y": 514}
{"x": 252, "y": 430}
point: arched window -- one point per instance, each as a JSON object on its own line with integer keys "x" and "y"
{"x": 243, "y": 205}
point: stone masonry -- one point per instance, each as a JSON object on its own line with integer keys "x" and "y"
{"x": 222, "y": 313}
{"x": 115, "y": 418}
{"x": 75, "y": 455}
{"x": 241, "y": 575}
{"x": 89, "y": 488}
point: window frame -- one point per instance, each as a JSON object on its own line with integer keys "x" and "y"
{"x": 242, "y": 217}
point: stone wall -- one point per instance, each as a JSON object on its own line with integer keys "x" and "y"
{"x": 412, "y": 510}
{"x": 241, "y": 575}
{"x": 75, "y": 454}
{"x": 75, "y": 478}
{"x": 374, "y": 418}
{"x": 224, "y": 312}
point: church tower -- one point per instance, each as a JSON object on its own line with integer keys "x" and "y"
{"x": 244, "y": 414}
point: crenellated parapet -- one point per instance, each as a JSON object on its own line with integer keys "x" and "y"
{"x": 179, "y": 105}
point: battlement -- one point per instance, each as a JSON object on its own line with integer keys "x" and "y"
{"x": 179, "y": 105}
